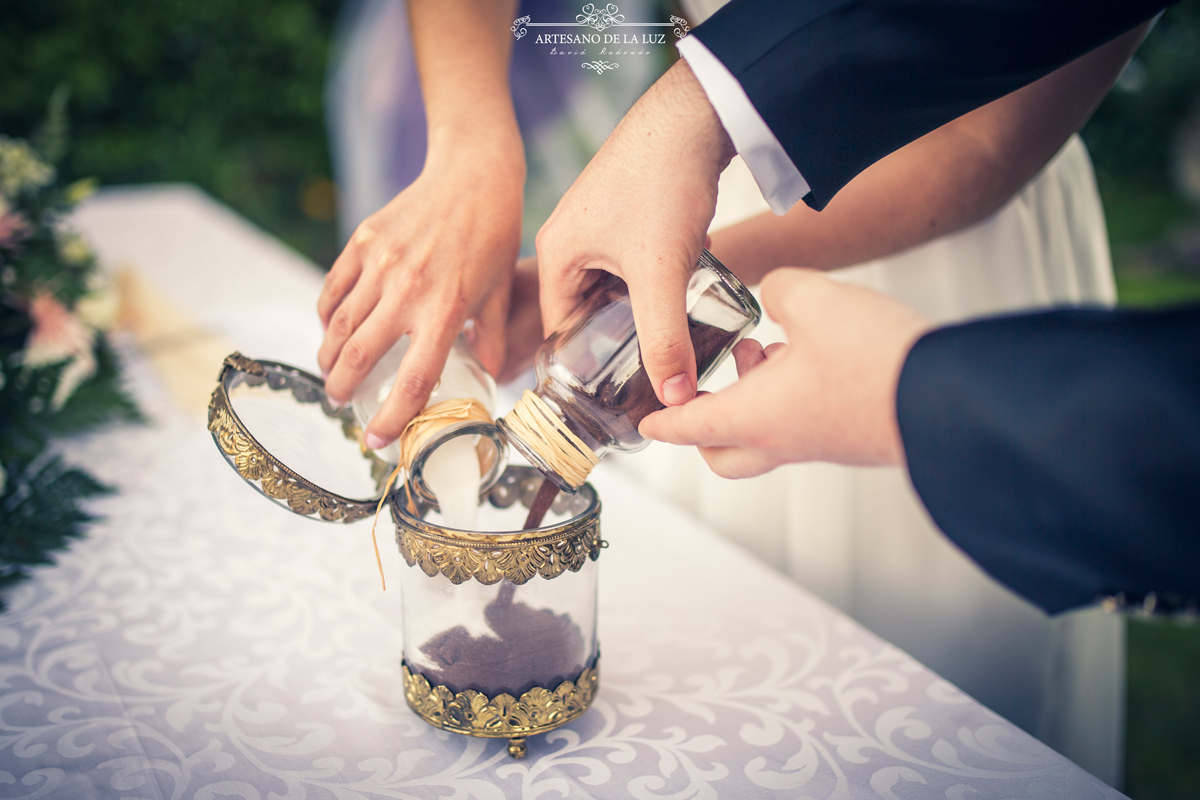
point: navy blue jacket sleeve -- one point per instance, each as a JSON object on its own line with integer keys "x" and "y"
{"x": 1061, "y": 450}
{"x": 843, "y": 83}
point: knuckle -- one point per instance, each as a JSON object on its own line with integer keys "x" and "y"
{"x": 414, "y": 386}
{"x": 356, "y": 356}
{"x": 546, "y": 241}
{"x": 389, "y": 260}
{"x": 333, "y": 278}
{"x": 341, "y": 324}
{"x": 664, "y": 347}
{"x": 363, "y": 234}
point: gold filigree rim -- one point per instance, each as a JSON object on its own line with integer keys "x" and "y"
{"x": 516, "y": 556}
{"x": 501, "y": 717}
{"x": 500, "y": 540}
{"x": 517, "y": 562}
{"x": 255, "y": 464}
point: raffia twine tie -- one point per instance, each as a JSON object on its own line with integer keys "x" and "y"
{"x": 534, "y": 422}
{"x": 416, "y": 434}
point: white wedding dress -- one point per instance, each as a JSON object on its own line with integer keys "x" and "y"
{"x": 857, "y": 537}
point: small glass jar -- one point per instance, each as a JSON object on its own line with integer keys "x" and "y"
{"x": 443, "y": 464}
{"x": 500, "y": 623}
{"x": 592, "y": 390}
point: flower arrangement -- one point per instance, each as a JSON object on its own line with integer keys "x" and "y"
{"x": 58, "y": 374}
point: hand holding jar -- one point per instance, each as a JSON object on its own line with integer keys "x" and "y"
{"x": 829, "y": 395}
{"x": 442, "y": 251}
{"x": 639, "y": 211}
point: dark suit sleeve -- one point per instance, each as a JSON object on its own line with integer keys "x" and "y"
{"x": 843, "y": 83}
{"x": 1061, "y": 450}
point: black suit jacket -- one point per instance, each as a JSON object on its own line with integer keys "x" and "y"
{"x": 842, "y": 83}
{"x": 1061, "y": 450}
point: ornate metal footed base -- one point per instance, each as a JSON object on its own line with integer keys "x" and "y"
{"x": 504, "y": 716}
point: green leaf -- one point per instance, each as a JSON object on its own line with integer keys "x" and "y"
{"x": 50, "y": 139}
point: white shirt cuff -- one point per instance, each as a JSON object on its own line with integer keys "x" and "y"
{"x": 780, "y": 182}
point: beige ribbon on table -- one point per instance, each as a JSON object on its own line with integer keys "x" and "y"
{"x": 416, "y": 434}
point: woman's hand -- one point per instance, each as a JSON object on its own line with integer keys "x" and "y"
{"x": 827, "y": 395}
{"x": 640, "y": 211}
{"x": 440, "y": 253}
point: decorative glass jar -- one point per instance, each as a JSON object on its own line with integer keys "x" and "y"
{"x": 437, "y": 448}
{"x": 499, "y": 624}
{"x": 592, "y": 390}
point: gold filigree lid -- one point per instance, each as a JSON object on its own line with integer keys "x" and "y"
{"x": 277, "y": 428}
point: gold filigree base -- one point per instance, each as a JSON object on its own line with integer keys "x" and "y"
{"x": 503, "y": 717}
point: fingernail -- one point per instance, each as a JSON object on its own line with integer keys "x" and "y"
{"x": 677, "y": 390}
{"x": 324, "y": 374}
{"x": 374, "y": 442}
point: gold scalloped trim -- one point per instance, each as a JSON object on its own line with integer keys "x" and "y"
{"x": 487, "y": 559}
{"x": 258, "y": 467}
{"x": 504, "y": 716}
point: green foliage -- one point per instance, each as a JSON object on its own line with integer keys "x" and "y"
{"x": 1131, "y": 134}
{"x": 1163, "y": 726}
{"x": 1132, "y": 139}
{"x": 224, "y": 94}
{"x": 57, "y": 373}
{"x": 40, "y": 513}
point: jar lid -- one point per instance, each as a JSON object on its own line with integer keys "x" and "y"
{"x": 279, "y": 431}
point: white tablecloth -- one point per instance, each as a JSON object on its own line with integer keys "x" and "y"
{"x": 202, "y": 643}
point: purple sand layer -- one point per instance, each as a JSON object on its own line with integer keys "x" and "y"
{"x": 532, "y": 647}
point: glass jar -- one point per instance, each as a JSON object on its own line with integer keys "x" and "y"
{"x": 500, "y": 623}
{"x": 450, "y": 460}
{"x": 592, "y": 390}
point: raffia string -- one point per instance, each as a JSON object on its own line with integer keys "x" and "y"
{"x": 419, "y": 430}
{"x": 564, "y": 452}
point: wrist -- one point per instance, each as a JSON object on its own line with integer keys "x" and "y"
{"x": 695, "y": 115}
{"x": 490, "y": 149}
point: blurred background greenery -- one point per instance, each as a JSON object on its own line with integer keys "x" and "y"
{"x": 228, "y": 95}
{"x": 1145, "y": 143}
{"x": 224, "y": 94}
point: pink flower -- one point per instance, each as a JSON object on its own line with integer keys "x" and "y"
{"x": 58, "y": 336}
{"x": 13, "y": 228}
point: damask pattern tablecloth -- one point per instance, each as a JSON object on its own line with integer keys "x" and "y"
{"x": 204, "y": 643}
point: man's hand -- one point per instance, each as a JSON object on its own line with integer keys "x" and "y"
{"x": 640, "y": 211}
{"x": 829, "y": 394}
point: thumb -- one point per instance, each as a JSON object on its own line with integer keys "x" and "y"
{"x": 658, "y": 295}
